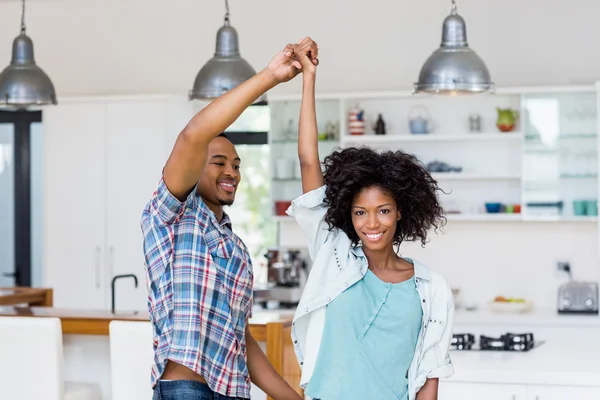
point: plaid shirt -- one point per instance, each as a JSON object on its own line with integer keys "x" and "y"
{"x": 199, "y": 279}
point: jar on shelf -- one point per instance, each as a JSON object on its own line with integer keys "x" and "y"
{"x": 356, "y": 121}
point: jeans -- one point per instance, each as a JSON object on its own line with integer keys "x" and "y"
{"x": 186, "y": 390}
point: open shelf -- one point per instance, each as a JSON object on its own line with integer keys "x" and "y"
{"x": 432, "y": 137}
{"x": 466, "y": 176}
{"x": 500, "y": 217}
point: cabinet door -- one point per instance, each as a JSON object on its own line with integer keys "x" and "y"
{"x": 563, "y": 392}
{"x": 135, "y": 158}
{"x": 477, "y": 391}
{"x": 74, "y": 204}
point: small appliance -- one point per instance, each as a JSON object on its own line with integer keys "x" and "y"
{"x": 578, "y": 297}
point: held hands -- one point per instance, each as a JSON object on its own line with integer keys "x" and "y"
{"x": 293, "y": 59}
{"x": 307, "y": 52}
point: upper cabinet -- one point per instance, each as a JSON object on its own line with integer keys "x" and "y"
{"x": 561, "y": 155}
{"x": 102, "y": 162}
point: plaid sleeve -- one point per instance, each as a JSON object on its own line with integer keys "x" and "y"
{"x": 165, "y": 207}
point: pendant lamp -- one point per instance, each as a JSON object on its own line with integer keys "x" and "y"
{"x": 226, "y": 69}
{"x": 23, "y": 83}
{"x": 454, "y": 68}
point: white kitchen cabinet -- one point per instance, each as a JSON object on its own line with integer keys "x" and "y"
{"x": 547, "y": 392}
{"x": 478, "y": 391}
{"x": 103, "y": 160}
{"x": 74, "y": 204}
{"x": 135, "y": 152}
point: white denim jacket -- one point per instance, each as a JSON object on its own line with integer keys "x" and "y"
{"x": 337, "y": 265}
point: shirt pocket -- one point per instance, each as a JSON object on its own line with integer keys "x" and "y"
{"x": 434, "y": 331}
{"x": 219, "y": 246}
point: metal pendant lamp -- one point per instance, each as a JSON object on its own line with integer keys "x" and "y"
{"x": 226, "y": 69}
{"x": 454, "y": 68}
{"x": 23, "y": 83}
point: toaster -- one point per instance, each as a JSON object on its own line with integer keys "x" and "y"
{"x": 578, "y": 298}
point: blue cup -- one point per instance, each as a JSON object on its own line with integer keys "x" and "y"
{"x": 580, "y": 207}
{"x": 591, "y": 208}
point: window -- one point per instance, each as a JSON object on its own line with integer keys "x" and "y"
{"x": 251, "y": 214}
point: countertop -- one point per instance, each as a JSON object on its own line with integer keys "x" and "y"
{"x": 536, "y": 317}
{"x": 95, "y": 322}
{"x": 567, "y": 357}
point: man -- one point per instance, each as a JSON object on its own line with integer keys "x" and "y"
{"x": 198, "y": 272}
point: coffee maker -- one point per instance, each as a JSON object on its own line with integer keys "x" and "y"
{"x": 287, "y": 274}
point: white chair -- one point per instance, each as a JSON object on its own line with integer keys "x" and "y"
{"x": 31, "y": 362}
{"x": 131, "y": 358}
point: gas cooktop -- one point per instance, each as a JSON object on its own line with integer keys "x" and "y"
{"x": 506, "y": 342}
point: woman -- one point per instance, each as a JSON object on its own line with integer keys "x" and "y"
{"x": 370, "y": 324}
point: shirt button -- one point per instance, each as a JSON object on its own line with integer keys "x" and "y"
{"x": 328, "y": 299}
{"x": 306, "y": 310}
{"x": 345, "y": 284}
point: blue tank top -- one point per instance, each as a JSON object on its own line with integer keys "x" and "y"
{"x": 368, "y": 342}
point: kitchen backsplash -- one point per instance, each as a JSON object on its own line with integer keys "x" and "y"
{"x": 509, "y": 259}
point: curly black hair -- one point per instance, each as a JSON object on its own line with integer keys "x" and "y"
{"x": 399, "y": 174}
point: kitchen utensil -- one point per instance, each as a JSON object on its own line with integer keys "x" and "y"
{"x": 379, "y": 127}
{"x": 356, "y": 121}
{"x": 297, "y": 171}
{"x": 281, "y": 207}
{"x": 591, "y": 208}
{"x": 284, "y": 168}
{"x": 474, "y": 123}
{"x": 493, "y": 208}
{"x": 578, "y": 298}
{"x": 291, "y": 132}
{"x": 419, "y": 121}
{"x": 579, "y": 207}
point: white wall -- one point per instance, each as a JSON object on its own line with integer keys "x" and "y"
{"x": 157, "y": 46}
{"x": 506, "y": 258}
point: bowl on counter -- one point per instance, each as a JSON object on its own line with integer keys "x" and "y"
{"x": 507, "y": 307}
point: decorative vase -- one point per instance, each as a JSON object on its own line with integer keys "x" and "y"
{"x": 507, "y": 119}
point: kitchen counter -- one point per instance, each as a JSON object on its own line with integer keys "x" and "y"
{"x": 95, "y": 322}
{"x": 536, "y": 317}
{"x": 272, "y": 328}
{"x": 567, "y": 357}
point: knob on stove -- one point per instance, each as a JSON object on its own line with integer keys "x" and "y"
{"x": 589, "y": 303}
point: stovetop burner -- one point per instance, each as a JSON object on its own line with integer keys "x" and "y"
{"x": 506, "y": 342}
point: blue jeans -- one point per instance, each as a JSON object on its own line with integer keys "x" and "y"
{"x": 186, "y": 390}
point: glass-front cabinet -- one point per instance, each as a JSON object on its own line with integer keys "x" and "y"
{"x": 560, "y": 157}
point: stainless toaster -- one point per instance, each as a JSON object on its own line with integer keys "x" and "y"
{"x": 578, "y": 298}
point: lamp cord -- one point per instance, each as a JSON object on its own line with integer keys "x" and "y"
{"x": 23, "y": 17}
